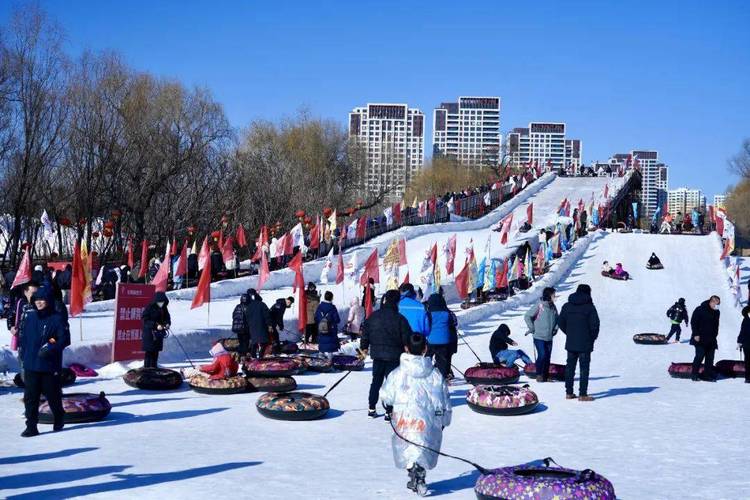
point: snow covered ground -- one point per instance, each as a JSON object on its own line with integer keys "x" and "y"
{"x": 651, "y": 435}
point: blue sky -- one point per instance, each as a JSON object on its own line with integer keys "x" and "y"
{"x": 669, "y": 75}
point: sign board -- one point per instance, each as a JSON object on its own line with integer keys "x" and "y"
{"x": 130, "y": 301}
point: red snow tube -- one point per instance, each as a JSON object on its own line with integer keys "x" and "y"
{"x": 556, "y": 372}
{"x": 502, "y": 400}
{"x": 684, "y": 370}
{"x": 543, "y": 482}
{"x": 271, "y": 384}
{"x": 618, "y": 278}
{"x": 731, "y": 368}
{"x": 153, "y": 379}
{"x": 67, "y": 377}
{"x": 345, "y": 362}
{"x": 79, "y": 408}
{"x": 292, "y": 406}
{"x": 82, "y": 371}
{"x": 231, "y": 385}
{"x": 649, "y": 338}
{"x": 491, "y": 374}
{"x": 271, "y": 367}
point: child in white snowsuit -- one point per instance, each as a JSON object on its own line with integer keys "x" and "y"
{"x": 418, "y": 398}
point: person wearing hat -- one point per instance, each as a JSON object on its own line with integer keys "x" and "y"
{"x": 677, "y": 314}
{"x": 43, "y": 340}
{"x": 156, "y": 323}
{"x": 223, "y": 365}
{"x": 579, "y": 321}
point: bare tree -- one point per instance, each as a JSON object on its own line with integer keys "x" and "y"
{"x": 740, "y": 163}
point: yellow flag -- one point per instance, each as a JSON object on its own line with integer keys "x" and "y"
{"x": 86, "y": 262}
{"x": 391, "y": 262}
{"x": 332, "y": 220}
{"x": 414, "y": 204}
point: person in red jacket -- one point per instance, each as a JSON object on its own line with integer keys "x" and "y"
{"x": 224, "y": 366}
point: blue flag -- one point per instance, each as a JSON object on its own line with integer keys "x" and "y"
{"x": 635, "y": 210}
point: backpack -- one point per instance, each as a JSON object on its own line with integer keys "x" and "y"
{"x": 323, "y": 325}
{"x": 672, "y": 313}
{"x": 239, "y": 325}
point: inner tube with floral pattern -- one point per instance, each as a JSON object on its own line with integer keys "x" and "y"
{"x": 153, "y": 379}
{"x": 67, "y": 377}
{"x": 683, "y": 370}
{"x": 543, "y": 482}
{"x": 300, "y": 366}
{"x": 79, "y": 408}
{"x": 649, "y": 338}
{"x": 655, "y": 266}
{"x": 231, "y": 385}
{"x": 270, "y": 367}
{"x": 491, "y": 374}
{"x": 292, "y": 406}
{"x": 318, "y": 364}
{"x": 556, "y": 371}
{"x": 345, "y": 362}
{"x": 502, "y": 400}
{"x": 271, "y": 384}
{"x": 731, "y": 368}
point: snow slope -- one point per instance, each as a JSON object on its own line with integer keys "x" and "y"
{"x": 652, "y": 436}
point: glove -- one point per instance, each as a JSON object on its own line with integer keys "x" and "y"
{"x": 362, "y": 354}
{"x": 739, "y": 347}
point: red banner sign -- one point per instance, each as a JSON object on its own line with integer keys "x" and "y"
{"x": 130, "y": 302}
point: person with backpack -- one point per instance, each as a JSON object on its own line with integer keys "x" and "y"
{"x": 442, "y": 322}
{"x": 579, "y": 321}
{"x": 743, "y": 340}
{"x": 417, "y": 396}
{"x": 677, "y": 314}
{"x": 327, "y": 320}
{"x": 239, "y": 325}
{"x": 542, "y": 322}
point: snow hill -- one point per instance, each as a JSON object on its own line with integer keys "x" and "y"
{"x": 651, "y": 435}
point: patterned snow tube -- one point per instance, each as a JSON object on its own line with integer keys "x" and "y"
{"x": 231, "y": 385}
{"x": 534, "y": 481}
{"x": 731, "y": 368}
{"x": 684, "y": 370}
{"x": 79, "y": 408}
{"x": 556, "y": 371}
{"x": 649, "y": 338}
{"x": 292, "y": 406}
{"x": 153, "y": 379}
{"x": 82, "y": 371}
{"x": 612, "y": 276}
{"x": 502, "y": 400}
{"x": 491, "y": 374}
{"x": 67, "y": 377}
{"x": 345, "y": 362}
{"x": 655, "y": 266}
{"x": 317, "y": 364}
{"x": 300, "y": 366}
{"x": 271, "y": 384}
{"x": 271, "y": 367}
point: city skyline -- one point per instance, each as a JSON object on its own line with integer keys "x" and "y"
{"x": 672, "y": 82}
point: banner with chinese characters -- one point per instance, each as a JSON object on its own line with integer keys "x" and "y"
{"x": 130, "y": 302}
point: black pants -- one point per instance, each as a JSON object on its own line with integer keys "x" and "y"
{"x": 36, "y": 384}
{"x": 311, "y": 334}
{"x": 150, "y": 359}
{"x": 441, "y": 355}
{"x": 244, "y": 344}
{"x": 674, "y": 330}
{"x": 746, "y": 352}
{"x": 702, "y": 352}
{"x": 380, "y": 369}
{"x": 570, "y": 371}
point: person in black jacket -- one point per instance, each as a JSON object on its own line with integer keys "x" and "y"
{"x": 579, "y": 321}
{"x": 43, "y": 340}
{"x": 677, "y": 314}
{"x": 743, "y": 341}
{"x": 384, "y": 335}
{"x": 156, "y": 323}
{"x": 705, "y": 326}
{"x": 239, "y": 324}
{"x": 258, "y": 320}
{"x": 277, "y": 317}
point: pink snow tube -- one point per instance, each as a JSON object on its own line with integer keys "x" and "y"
{"x": 271, "y": 367}
{"x": 491, "y": 374}
{"x": 502, "y": 400}
{"x": 556, "y": 371}
{"x": 82, "y": 371}
{"x": 731, "y": 368}
{"x": 683, "y": 370}
{"x": 78, "y": 407}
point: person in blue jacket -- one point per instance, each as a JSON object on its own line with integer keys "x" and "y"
{"x": 327, "y": 318}
{"x": 442, "y": 327}
{"x": 44, "y": 337}
{"x": 413, "y": 310}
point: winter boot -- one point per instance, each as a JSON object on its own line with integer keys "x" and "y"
{"x": 570, "y": 396}
{"x": 30, "y": 432}
{"x": 420, "y": 475}
{"x": 372, "y": 413}
{"x": 585, "y": 397}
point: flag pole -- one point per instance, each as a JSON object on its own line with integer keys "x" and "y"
{"x": 208, "y": 315}
{"x": 80, "y": 327}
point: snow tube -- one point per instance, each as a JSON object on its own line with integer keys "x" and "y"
{"x": 299, "y": 364}
{"x": 153, "y": 379}
{"x": 684, "y": 370}
{"x": 271, "y": 367}
{"x": 556, "y": 371}
{"x": 345, "y": 362}
{"x": 649, "y": 338}
{"x": 539, "y": 481}
{"x": 231, "y": 385}
{"x": 612, "y": 276}
{"x": 271, "y": 384}
{"x": 491, "y": 374}
{"x": 731, "y": 368}
{"x": 79, "y": 408}
{"x": 502, "y": 400}
{"x": 292, "y": 406}
{"x": 317, "y": 364}
{"x": 655, "y": 266}
{"x": 82, "y": 371}
{"x": 67, "y": 377}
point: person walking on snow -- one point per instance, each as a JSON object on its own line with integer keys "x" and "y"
{"x": 384, "y": 335}
{"x": 499, "y": 350}
{"x": 420, "y": 405}
{"x": 327, "y": 318}
{"x": 579, "y": 321}
{"x": 355, "y": 318}
{"x": 743, "y": 341}
{"x": 156, "y": 323}
{"x": 542, "y": 322}
{"x": 677, "y": 314}
{"x": 705, "y": 325}
{"x": 442, "y": 325}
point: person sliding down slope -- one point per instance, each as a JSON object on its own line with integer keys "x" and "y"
{"x": 653, "y": 261}
{"x": 620, "y": 272}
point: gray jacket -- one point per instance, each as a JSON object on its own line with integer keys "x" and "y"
{"x": 545, "y": 324}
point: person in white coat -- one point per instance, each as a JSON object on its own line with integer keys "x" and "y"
{"x": 416, "y": 396}
{"x": 355, "y": 318}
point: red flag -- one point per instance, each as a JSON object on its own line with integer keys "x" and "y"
{"x": 203, "y": 291}
{"x": 299, "y": 286}
{"x": 368, "y": 301}
{"x": 720, "y": 225}
{"x": 288, "y": 244}
{"x": 263, "y": 272}
{"x": 451, "y": 257}
{"x": 505, "y": 230}
{"x": 371, "y": 269}
{"x": 173, "y": 249}
{"x": 402, "y": 252}
{"x": 361, "y": 227}
{"x": 501, "y": 278}
{"x": 241, "y": 240}
{"x": 23, "y": 274}
{"x": 315, "y": 235}
{"x": 77, "y": 282}
{"x": 406, "y": 278}
{"x": 530, "y": 214}
{"x": 462, "y": 282}
{"x": 397, "y": 213}
{"x": 227, "y": 251}
{"x": 161, "y": 279}
{"x": 580, "y": 205}
{"x": 182, "y": 261}
{"x": 204, "y": 255}
{"x": 131, "y": 257}
{"x": 144, "y": 259}
{"x": 433, "y": 254}
{"x": 221, "y": 239}
{"x": 606, "y": 191}
{"x": 340, "y": 268}
{"x": 432, "y": 206}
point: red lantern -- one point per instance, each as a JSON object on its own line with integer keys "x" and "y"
{"x": 327, "y": 211}
{"x": 81, "y": 222}
{"x": 215, "y": 235}
{"x": 360, "y": 202}
{"x": 26, "y": 245}
{"x": 64, "y": 221}
{"x": 191, "y": 230}
{"x": 109, "y": 225}
{"x": 107, "y": 232}
{"x": 95, "y": 234}
{"x": 299, "y": 214}
{"x": 350, "y": 211}
{"x": 308, "y": 220}
{"x": 116, "y": 214}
